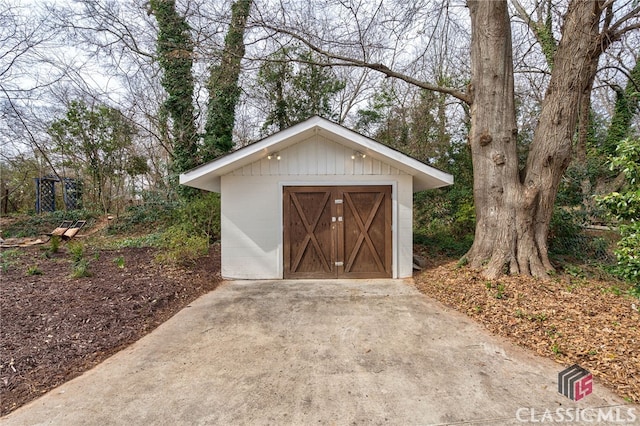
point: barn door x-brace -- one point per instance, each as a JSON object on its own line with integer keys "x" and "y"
{"x": 337, "y": 232}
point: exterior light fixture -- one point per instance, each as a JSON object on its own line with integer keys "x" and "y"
{"x": 358, "y": 154}
{"x": 273, "y": 155}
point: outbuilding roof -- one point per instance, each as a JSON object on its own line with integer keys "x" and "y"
{"x": 208, "y": 175}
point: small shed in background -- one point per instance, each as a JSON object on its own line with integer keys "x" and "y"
{"x": 316, "y": 200}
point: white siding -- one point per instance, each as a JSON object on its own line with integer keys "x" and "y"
{"x": 404, "y": 225}
{"x": 252, "y": 223}
{"x": 251, "y": 227}
{"x": 252, "y": 204}
{"x": 317, "y": 156}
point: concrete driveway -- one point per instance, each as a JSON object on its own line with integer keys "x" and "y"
{"x": 317, "y": 352}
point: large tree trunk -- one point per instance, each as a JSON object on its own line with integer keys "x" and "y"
{"x": 513, "y": 209}
{"x": 223, "y": 88}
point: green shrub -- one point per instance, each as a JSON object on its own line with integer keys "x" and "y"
{"x": 76, "y": 249}
{"x": 119, "y": 261}
{"x": 182, "y": 247}
{"x": 34, "y": 270}
{"x": 54, "y": 244}
{"x": 464, "y": 220}
{"x": 568, "y": 238}
{"x": 8, "y": 258}
{"x": 200, "y": 215}
{"x": 440, "y": 238}
{"x": 155, "y": 212}
{"x": 196, "y": 223}
{"x": 628, "y": 253}
{"x": 624, "y": 207}
{"x": 444, "y": 218}
{"x": 81, "y": 269}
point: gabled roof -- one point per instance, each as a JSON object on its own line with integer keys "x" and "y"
{"x": 208, "y": 175}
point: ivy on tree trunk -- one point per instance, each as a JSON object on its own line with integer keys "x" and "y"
{"x": 175, "y": 55}
{"x": 627, "y": 105}
{"x": 224, "y": 91}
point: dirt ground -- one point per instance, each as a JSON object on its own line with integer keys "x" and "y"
{"x": 54, "y": 326}
{"x": 572, "y": 318}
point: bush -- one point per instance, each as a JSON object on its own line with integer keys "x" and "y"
{"x": 54, "y": 244}
{"x": 628, "y": 254}
{"x": 119, "y": 261}
{"x": 464, "y": 222}
{"x": 81, "y": 269}
{"x": 34, "y": 270}
{"x": 624, "y": 207}
{"x": 151, "y": 214}
{"x": 182, "y": 247}
{"x": 8, "y": 259}
{"x": 76, "y": 249}
{"x": 196, "y": 223}
{"x": 200, "y": 215}
{"x": 567, "y": 237}
{"x": 440, "y": 238}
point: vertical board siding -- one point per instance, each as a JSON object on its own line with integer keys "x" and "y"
{"x": 405, "y": 226}
{"x": 317, "y": 156}
{"x": 252, "y": 237}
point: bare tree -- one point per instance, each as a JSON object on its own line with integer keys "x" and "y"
{"x": 513, "y": 204}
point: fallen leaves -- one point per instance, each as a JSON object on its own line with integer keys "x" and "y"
{"x": 571, "y": 320}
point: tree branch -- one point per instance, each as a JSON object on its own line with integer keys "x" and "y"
{"x": 614, "y": 32}
{"x": 353, "y": 62}
{"x": 31, "y": 136}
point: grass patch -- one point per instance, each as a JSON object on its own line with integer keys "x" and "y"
{"x": 119, "y": 261}
{"x": 34, "y": 270}
{"x": 8, "y": 259}
{"x": 81, "y": 269}
{"x": 40, "y": 224}
{"x": 148, "y": 240}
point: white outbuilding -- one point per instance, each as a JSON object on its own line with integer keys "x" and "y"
{"x": 316, "y": 200}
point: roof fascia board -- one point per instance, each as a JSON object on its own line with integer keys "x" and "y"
{"x": 304, "y": 130}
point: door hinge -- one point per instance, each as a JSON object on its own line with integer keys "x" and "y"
{"x": 338, "y": 201}
{"x": 339, "y": 263}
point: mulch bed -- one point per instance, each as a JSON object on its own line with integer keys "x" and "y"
{"x": 571, "y": 319}
{"x": 54, "y": 327}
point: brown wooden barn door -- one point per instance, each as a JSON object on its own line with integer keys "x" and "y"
{"x": 367, "y": 232}
{"x": 332, "y": 232}
{"x": 309, "y": 233}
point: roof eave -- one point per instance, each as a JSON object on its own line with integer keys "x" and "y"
{"x": 207, "y": 176}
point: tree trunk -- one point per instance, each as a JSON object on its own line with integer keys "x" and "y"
{"x": 175, "y": 56}
{"x": 513, "y": 213}
{"x": 223, "y": 88}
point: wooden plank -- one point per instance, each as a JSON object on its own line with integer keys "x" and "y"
{"x": 308, "y": 229}
{"x": 367, "y": 234}
{"x": 357, "y": 244}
